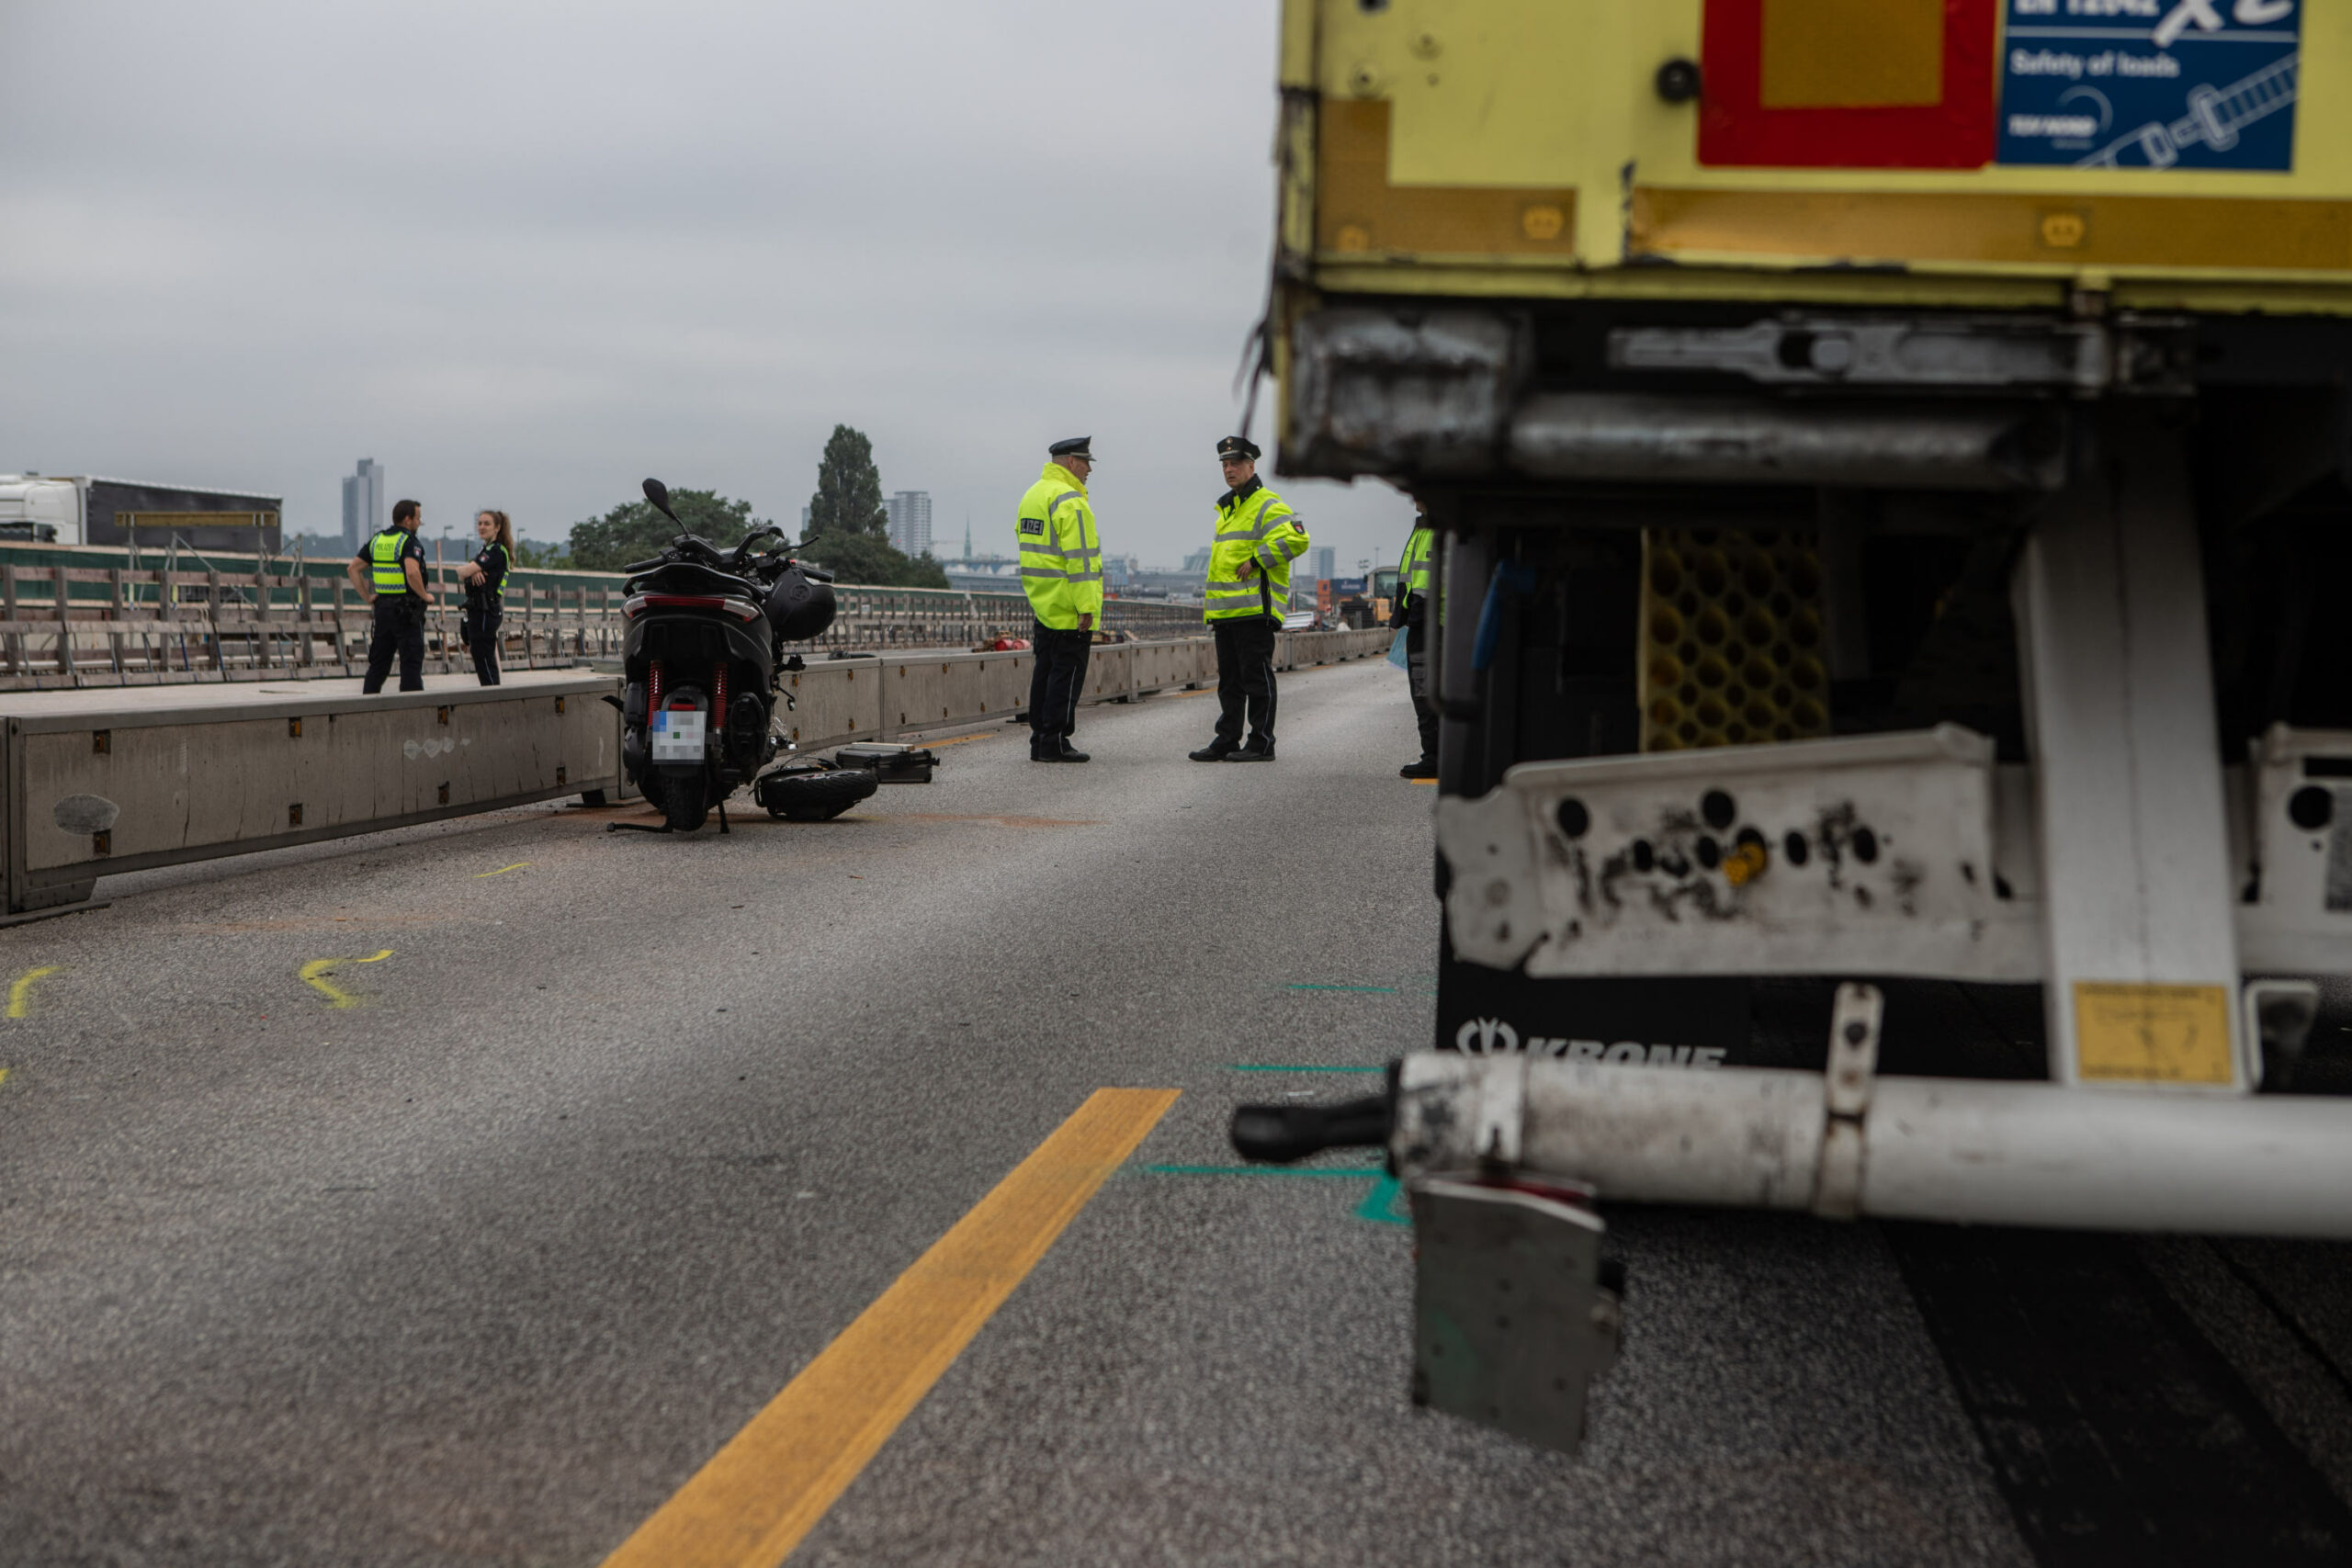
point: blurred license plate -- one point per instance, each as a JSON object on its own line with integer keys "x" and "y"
{"x": 677, "y": 736}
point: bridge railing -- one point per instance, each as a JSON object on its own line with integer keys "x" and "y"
{"x": 68, "y": 624}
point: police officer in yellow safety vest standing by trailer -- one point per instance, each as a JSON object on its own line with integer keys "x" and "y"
{"x": 388, "y": 571}
{"x": 1247, "y": 594}
{"x": 1061, "y": 570}
{"x": 1418, "y": 616}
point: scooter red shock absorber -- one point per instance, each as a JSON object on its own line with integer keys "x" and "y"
{"x": 719, "y": 698}
{"x": 652, "y": 691}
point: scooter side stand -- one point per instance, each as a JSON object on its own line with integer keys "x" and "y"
{"x": 635, "y": 828}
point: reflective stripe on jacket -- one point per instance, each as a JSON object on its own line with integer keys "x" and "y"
{"x": 1061, "y": 554}
{"x": 492, "y": 586}
{"x": 1413, "y": 571}
{"x": 384, "y": 553}
{"x": 1259, "y": 526}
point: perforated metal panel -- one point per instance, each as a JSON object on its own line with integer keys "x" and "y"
{"x": 1732, "y": 640}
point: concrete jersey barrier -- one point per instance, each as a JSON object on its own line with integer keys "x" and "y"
{"x": 877, "y": 698}
{"x": 122, "y": 779}
{"x": 126, "y": 779}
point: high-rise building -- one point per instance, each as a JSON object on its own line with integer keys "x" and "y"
{"x": 909, "y": 513}
{"x": 1317, "y": 563}
{"x": 362, "y": 503}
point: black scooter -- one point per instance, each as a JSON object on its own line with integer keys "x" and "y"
{"x": 701, "y": 665}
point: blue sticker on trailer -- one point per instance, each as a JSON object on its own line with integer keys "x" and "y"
{"x": 2150, "y": 83}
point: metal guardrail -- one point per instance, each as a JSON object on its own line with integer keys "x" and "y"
{"x": 68, "y": 625}
{"x": 97, "y": 782}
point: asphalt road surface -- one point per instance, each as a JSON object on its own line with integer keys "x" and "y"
{"x": 453, "y": 1196}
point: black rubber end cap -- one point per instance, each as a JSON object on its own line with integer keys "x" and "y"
{"x": 1281, "y": 1134}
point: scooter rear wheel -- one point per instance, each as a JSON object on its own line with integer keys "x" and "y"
{"x": 685, "y": 802}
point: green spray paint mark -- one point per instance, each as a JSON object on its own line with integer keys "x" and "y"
{"x": 1277, "y": 1067}
{"x": 1352, "y": 1172}
{"x": 1385, "y": 1205}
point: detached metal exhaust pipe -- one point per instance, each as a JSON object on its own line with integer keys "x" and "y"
{"x": 2013, "y": 1154}
{"x": 1600, "y": 435}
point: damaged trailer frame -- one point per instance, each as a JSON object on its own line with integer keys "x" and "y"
{"x": 1866, "y": 557}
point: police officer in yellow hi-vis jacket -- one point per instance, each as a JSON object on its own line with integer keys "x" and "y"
{"x": 1061, "y": 570}
{"x": 1258, "y": 535}
{"x": 388, "y": 571}
{"x": 1418, "y": 616}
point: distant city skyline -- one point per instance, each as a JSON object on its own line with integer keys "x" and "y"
{"x": 532, "y": 302}
{"x": 362, "y": 503}
{"x": 909, "y": 513}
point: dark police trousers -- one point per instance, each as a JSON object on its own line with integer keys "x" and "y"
{"x": 399, "y": 626}
{"x": 1417, "y": 681}
{"x": 482, "y": 639}
{"x": 1245, "y": 679}
{"x": 1056, "y": 681}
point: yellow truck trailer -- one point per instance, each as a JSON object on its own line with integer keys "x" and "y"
{"x": 1892, "y": 461}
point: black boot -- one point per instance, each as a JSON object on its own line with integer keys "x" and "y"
{"x": 1253, "y": 753}
{"x": 1215, "y": 751}
{"x": 1424, "y": 769}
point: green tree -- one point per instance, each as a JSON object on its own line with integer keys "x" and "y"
{"x": 530, "y": 552}
{"x": 863, "y": 558}
{"x": 849, "y": 488}
{"x": 633, "y": 531}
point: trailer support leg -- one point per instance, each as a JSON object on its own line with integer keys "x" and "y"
{"x": 2142, "y": 975}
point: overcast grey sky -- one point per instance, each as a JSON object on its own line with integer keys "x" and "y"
{"x": 525, "y": 253}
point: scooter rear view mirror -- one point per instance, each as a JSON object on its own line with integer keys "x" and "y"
{"x": 659, "y": 494}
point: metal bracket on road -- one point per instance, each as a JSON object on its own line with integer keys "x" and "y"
{"x": 1514, "y": 1311}
{"x": 1852, "y": 1071}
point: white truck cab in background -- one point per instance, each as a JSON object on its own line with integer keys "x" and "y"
{"x": 90, "y": 509}
{"x": 43, "y": 510}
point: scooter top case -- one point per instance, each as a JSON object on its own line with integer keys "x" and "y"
{"x": 889, "y": 763}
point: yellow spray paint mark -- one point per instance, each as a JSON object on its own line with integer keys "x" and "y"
{"x": 20, "y": 994}
{"x": 502, "y": 870}
{"x": 315, "y": 973}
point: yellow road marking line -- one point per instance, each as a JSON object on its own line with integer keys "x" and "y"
{"x": 502, "y": 870}
{"x": 4, "y": 1074}
{"x": 1432, "y": 782}
{"x": 959, "y": 739}
{"x": 315, "y": 974}
{"x": 767, "y": 1488}
{"x": 20, "y": 994}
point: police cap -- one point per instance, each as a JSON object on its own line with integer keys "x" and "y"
{"x": 1238, "y": 447}
{"x": 1076, "y": 446}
